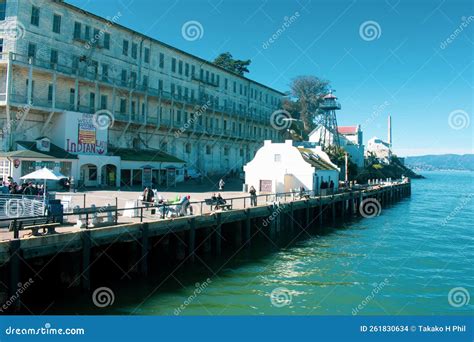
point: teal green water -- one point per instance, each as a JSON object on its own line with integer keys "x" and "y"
{"x": 403, "y": 262}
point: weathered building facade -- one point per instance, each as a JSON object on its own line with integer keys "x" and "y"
{"x": 100, "y": 90}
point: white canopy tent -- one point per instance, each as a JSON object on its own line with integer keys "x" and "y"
{"x": 44, "y": 174}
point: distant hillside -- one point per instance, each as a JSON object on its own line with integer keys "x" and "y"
{"x": 441, "y": 162}
{"x": 381, "y": 171}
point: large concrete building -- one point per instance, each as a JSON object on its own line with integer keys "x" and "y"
{"x": 122, "y": 106}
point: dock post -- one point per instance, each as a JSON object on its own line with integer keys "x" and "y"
{"x": 144, "y": 252}
{"x": 307, "y": 214}
{"x": 320, "y": 202}
{"x": 86, "y": 259}
{"x": 292, "y": 218}
{"x": 272, "y": 221}
{"x": 343, "y": 208}
{"x": 192, "y": 238}
{"x": 180, "y": 245}
{"x": 350, "y": 204}
{"x": 207, "y": 244}
{"x": 238, "y": 234}
{"x": 247, "y": 227}
{"x": 14, "y": 265}
{"x": 333, "y": 210}
{"x": 217, "y": 234}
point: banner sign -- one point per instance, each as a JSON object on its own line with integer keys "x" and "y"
{"x": 86, "y": 138}
{"x": 218, "y": 328}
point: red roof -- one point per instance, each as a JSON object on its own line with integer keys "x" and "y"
{"x": 347, "y": 129}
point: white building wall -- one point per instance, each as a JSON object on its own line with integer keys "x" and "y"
{"x": 264, "y": 167}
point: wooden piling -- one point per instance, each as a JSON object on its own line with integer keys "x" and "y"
{"x": 192, "y": 239}
{"x": 144, "y": 250}
{"x": 292, "y": 218}
{"x": 15, "y": 254}
{"x": 86, "y": 259}
{"x": 217, "y": 235}
{"x": 247, "y": 228}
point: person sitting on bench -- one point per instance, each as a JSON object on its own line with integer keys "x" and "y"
{"x": 220, "y": 201}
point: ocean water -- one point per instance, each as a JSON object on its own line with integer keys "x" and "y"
{"x": 416, "y": 258}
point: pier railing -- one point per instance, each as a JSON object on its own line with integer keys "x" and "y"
{"x": 160, "y": 211}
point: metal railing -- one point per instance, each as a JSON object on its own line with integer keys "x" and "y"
{"x": 93, "y": 75}
{"x": 161, "y": 210}
{"x": 16, "y": 206}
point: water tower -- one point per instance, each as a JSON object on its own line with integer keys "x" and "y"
{"x": 327, "y": 121}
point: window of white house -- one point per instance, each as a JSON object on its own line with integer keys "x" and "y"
{"x": 277, "y": 158}
{"x": 107, "y": 41}
{"x": 3, "y": 7}
{"x": 147, "y": 55}
{"x": 35, "y": 13}
{"x": 56, "y": 23}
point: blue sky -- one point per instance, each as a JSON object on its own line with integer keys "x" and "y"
{"x": 401, "y": 64}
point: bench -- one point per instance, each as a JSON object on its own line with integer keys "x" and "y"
{"x": 33, "y": 224}
{"x": 304, "y": 195}
{"x": 94, "y": 212}
{"x": 66, "y": 202}
{"x": 214, "y": 204}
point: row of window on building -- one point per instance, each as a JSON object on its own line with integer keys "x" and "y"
{"x": 97, "y": 37}
{"x": 208, "y": 148}
{"x": 130, "y": 79}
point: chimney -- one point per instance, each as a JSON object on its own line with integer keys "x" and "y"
{"x": 389, "y": 130}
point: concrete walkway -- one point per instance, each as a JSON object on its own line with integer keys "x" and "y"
{"x": 101, "y": 198}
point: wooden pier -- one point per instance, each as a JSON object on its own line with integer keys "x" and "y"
{"x": 73, "y": 255}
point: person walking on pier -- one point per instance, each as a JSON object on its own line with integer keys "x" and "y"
{"x": 253, "y": 196}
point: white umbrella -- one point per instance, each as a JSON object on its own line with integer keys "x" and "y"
{"x": 44, "y": 174}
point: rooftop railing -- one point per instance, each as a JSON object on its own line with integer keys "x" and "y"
{"x": 90, "y": 73}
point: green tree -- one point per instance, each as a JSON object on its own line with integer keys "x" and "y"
{"x": 308, "y": 92}
{"x": 226, "y": 60}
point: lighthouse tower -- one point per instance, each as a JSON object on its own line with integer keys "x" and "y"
{"x": 327, "y": 121}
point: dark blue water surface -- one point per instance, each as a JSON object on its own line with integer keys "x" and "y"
{"x": 403, "y": 262}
